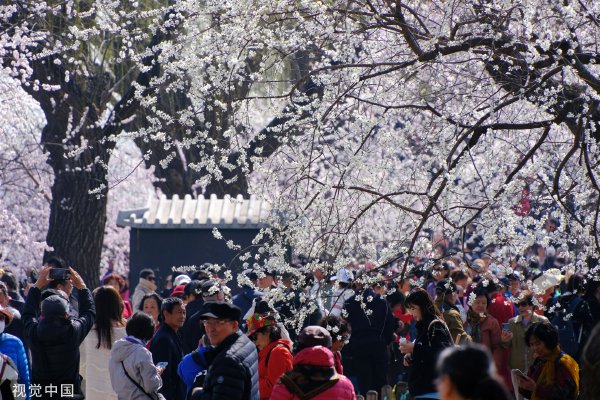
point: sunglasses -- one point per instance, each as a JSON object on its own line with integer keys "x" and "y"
{"x": 151, "y": 278}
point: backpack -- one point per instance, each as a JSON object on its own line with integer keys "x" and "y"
{"x": 562, "y": 319}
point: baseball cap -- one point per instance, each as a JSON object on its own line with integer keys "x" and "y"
{"x": 178, "y": 291}
{"x": 221, "y": 310}
{"x": 182, "y": 280}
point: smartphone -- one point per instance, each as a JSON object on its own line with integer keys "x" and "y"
{"x": 518, "y": 372}
{"x": 162, "y": 364}
{"x": 59, "y": 273}
{"x": 506, "y": 326}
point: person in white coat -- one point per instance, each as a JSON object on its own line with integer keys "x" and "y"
{"x": 133, "y": 375}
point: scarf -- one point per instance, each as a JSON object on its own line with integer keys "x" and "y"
{"x": 547, "y": 376}
{"x": 307, "y": 381}
{"x": 475, "y": 321}
{"x": 148, "y": 284}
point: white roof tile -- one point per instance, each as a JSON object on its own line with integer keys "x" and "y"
{"x": 200, "y": 213}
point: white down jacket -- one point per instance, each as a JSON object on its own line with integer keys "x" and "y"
{"x": 138, "y": 363}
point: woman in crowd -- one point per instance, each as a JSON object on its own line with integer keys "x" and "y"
{"x": 118, "y": 282}
{"x": 467, "y": 372}
{"x": 313, "y": 376}
{"x": 432, "y": 337}
{"x": 95, "y": 349}
{"x": 553, "y": 375}
{"x": 133, "y": 375}
{"x": 274, "y": 352}
{"x": 150, "y": 304}
{"x": 482, "y": 327}
{"x": 521, "y": 356}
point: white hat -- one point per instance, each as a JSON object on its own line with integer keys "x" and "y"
{"x": 182, "y": 280}
{"x": 548, "y": 279}
{"x": 343, "y": 275}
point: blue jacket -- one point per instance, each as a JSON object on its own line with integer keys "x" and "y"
{"x": 191, "y": 365}
{"x": 13, "y": 347}
{"x": 244, "y": 299}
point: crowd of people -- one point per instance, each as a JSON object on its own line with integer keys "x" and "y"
{"x": 443, "y": 331}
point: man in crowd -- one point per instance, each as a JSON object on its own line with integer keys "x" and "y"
{"x": 166, "y": 347}
{"x": 54, "y": 339}
{"x": 65, "y": 285}
{"x": 193, "y": 330}
{"x": 232, "y": 373}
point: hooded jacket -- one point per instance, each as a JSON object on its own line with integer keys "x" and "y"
{"x": 308, "y": 385}
{"x": 138, "y": 362}
{"x": 54, "y": 341}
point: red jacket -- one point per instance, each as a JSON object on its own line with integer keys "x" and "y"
{"x": 280, "y": 361}
{"x": 501, "y": 308}
{"x": 317, "y": 356}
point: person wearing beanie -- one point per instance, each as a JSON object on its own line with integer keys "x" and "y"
{"x": 274, "y": 352}
{"x": 54, "y": 338}
{"x": 313, "y": 375}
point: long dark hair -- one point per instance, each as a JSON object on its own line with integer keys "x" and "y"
{"x": 420, "y": 297}
{"x": 472, "y": 372}
{"x": 109, "y": 309}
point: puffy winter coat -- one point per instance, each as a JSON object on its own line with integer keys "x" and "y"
{"x": 13, "y": 347}
{"x": 233, "y": 371}
{"x": 54, "y": 341}
{"x": 138, "y": 363}
{"x": 273, "y": 361}
{"x": 302, "y": 381}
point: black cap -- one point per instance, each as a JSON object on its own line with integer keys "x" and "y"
{"x": 221, "y": 310}
{"x": 445, "y": 286}
{"x": 193, "y": 287}
{"x": 210, "y": 287}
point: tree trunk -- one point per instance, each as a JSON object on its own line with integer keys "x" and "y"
{"x": 77, "y": 220}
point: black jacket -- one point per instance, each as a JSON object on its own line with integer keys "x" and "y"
{"x": 166, "y": 346}
{"x": 432, "y": 337}
{"x": 54, "y": 341}
{"x": 376, "y": 329}
{"x": 192, "y": 330}
{"x": 233, "y": 371}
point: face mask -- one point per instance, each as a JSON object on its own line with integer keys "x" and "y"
{"x": 2, "y": 326}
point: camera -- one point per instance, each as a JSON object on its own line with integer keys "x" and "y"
{"x": 59, "y": 273}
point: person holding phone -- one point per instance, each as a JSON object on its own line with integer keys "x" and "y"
{"x": 521, "y": 356}
{"x": 54, "y": 338}
{"x": 60, "y": 279}
{"x": 553, "y": 374}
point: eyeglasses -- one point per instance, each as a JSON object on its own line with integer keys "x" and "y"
{"x": 215, "y": 322}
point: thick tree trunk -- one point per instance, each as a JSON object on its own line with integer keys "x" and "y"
{"x": 77, "y": 220}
